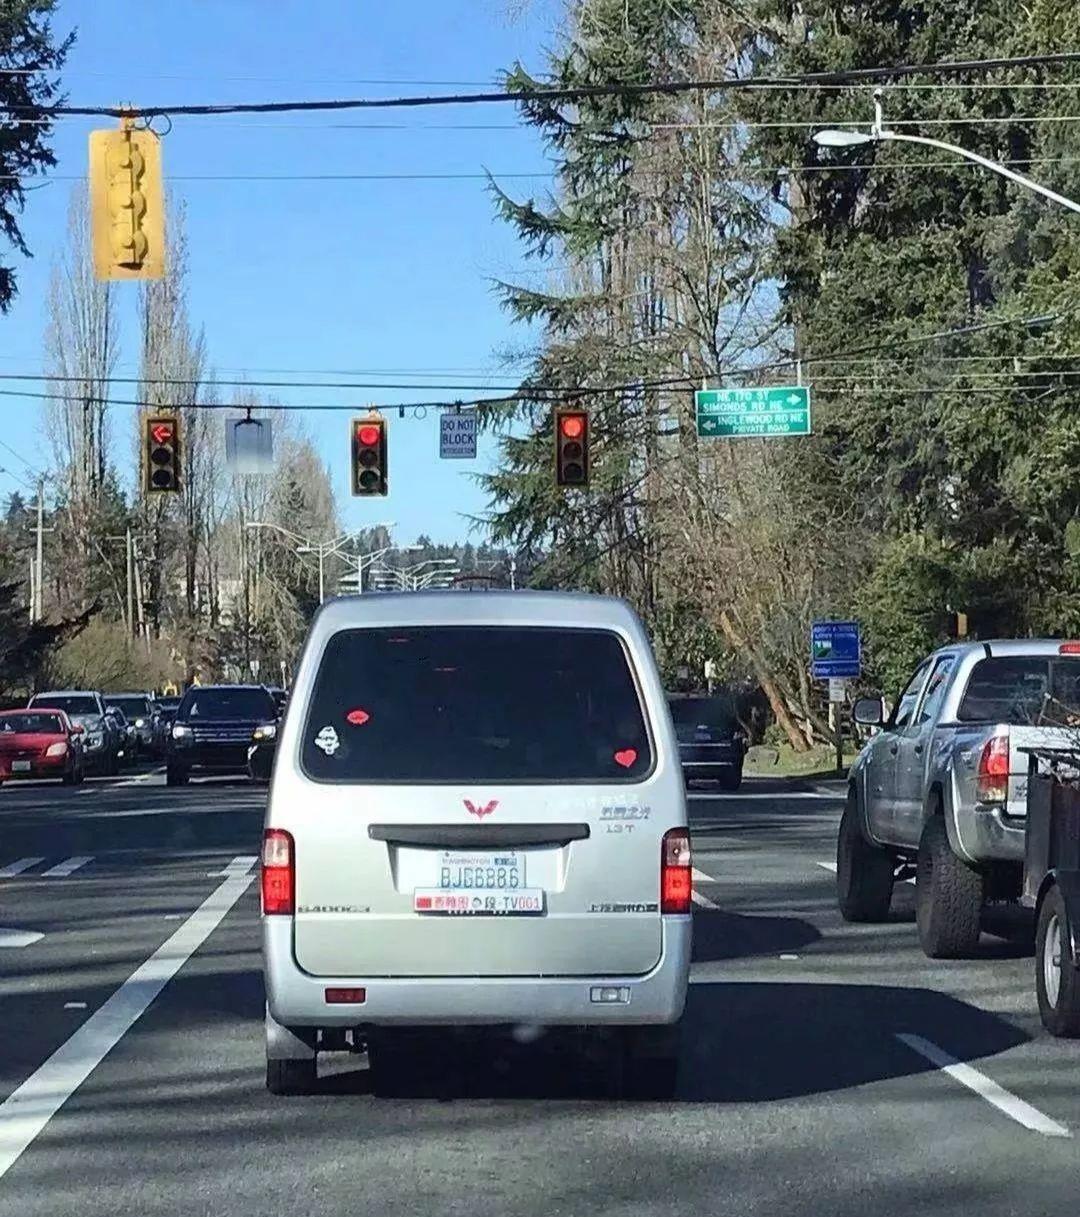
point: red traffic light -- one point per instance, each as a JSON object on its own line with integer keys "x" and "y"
{"x": 161, "y": 432}
{"x": 571, "y": 447}
{"x": 572, "y": 426}
{"x": 369, "y": 468}
{"x": 368, "y": 434}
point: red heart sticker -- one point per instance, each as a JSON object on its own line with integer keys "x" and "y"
{"x": 357, "y": 717}
{"x": 626, "y": 757}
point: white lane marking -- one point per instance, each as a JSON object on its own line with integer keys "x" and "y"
{"x": 27, "y": 1110}
{"x": 62, "y": 869}
{"x": 703, "y": 901}
{"x": 788, "y": 958}
{"x": 74, "y": 1005}
{"x": 19, "y": 938}
{"x": 997, "y": 1096}
{"x": 238, "y": 866}
{"x": 701, "y": 877}
{"x": 16, "y": 868}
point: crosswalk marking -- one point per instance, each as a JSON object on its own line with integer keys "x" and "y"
{"x": 62, "y": 869}
{"x": 17, "y": 868}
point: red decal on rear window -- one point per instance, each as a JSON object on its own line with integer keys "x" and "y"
{"x": 357, "y": 718}
{"x": 626, "y": 757}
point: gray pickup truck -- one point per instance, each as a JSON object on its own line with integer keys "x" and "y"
{"x": 940, "y": 791}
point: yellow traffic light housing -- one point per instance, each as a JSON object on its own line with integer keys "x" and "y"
{"x": 161, "y": 454}
{"x": 127, "y": 204}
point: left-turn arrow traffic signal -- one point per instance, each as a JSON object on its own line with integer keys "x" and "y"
{"x": 161, "y": 454}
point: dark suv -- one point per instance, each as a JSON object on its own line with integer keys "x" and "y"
{"x": 712, "y": 745}
{"x": 213, "y": 728}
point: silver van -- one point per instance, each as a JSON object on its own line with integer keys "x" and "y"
{"x": 477, "y": 817}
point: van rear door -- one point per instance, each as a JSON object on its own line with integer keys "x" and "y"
{"x": 484, "y": 801}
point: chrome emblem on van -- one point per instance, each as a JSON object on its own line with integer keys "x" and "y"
{"x": 480, "y": 812}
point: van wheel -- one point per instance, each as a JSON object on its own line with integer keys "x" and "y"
{"x": 864, "y": 872}
{"x": 949, "y": 897}
{"x": 291, "y": 1077}
{"x": 1057, "y": 981}
{"x": 649, "y": 1064}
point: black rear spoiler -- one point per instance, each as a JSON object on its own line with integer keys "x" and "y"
{"x": 477, "y": 836}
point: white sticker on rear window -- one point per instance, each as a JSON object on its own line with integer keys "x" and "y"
{"x": 328, "y": 741}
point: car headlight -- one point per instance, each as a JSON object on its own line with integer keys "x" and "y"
{"x": 265, "y": 732}
{"x": 57, "y": 749}
{"x": 94, "y": 741}
{"x": 140, "y": 722}
{"x": 179, "y": 731}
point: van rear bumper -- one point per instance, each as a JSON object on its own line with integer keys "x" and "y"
{"x": 297, "y": 1000}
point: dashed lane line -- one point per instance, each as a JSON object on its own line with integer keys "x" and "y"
{"x": 62, "y": 869}
{"x": 700, "y": 900}
{"x": 16, "y": 868}
{"x": 27, "y": 1110}
{"x": 986, "y": 1088}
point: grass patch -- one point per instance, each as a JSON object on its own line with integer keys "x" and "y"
{"x": 783, "y": 761}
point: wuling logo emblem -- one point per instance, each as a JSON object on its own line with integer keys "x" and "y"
{"x": 480, "y": 812}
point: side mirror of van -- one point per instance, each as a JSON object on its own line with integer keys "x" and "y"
{"x": 868, "y": 712}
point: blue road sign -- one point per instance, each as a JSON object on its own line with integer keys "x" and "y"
{"x": 835, "y": 650}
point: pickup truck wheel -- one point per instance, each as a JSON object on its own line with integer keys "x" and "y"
{"x": 864, "y": 872}
{"x": 1057, "y": 981}
{"x": 949, "y": 897}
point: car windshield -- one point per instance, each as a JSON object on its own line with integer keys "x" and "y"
{"x": 133, "y": 707}
{"x": 470, "y": 703}
{"x": 31, "y": 724}
{"x": 79, "y": 704}
{"x": 224, "y": 703}
{"x": 1023, "y": 689}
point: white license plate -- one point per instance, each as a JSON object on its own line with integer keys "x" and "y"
{"x": 496, "y": 871}
{"x": 20, "y": 766}
{"x": 523, "y": 902}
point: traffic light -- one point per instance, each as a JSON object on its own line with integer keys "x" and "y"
{"x": 127, "y": 204}
{"x": 369, "y": 471}
{"x": 161, "y": 454}
{"x": 571, "y": 447}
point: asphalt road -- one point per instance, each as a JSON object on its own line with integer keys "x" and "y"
{"x": 814, "y": 1077}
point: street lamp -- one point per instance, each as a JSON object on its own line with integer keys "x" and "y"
{"x": 832, "y": 138}
{"x": 322, "y": 549}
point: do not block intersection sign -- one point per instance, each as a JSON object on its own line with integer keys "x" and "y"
{"x": 457, "y": 436}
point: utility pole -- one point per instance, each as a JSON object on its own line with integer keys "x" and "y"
{"x": 130, "y": 585}
{"x": 40, "y": 550}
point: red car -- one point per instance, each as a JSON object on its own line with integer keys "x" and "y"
{"x": 40, "y": 743}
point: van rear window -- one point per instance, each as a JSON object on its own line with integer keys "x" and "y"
{"x": 1023, "y": 689}
{"x": 475, "y": 704}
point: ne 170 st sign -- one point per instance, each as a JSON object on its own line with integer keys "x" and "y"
{"x": 744, "y": 413}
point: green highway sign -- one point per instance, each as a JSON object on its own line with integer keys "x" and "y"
{"x": 732, "y": 413}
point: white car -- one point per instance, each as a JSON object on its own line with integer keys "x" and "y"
{"x": 477, "y": 817}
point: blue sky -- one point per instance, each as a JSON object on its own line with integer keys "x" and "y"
{"x": 358, "y": 276}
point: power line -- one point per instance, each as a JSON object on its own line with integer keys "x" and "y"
{"x": 573, "y": 94}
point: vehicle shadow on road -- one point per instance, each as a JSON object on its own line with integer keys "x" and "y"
{"x": 752, "y": 1042}
{"x": 722, "y": 935}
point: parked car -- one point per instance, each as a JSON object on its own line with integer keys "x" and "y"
{"x": 477, "y": 817}
{"x": 712, "y": 745}
{"x": 940, "y": 792}
{"x": 102, "y": 742}
{"x": 40, "y": 744}
{"x": 213, "y": 728}
{"x": 143, "y": 717}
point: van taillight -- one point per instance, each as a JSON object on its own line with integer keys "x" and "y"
{"x": 278, "y": 873}
{"x": 676, "y": 878}
{"x": 993, "y": 781}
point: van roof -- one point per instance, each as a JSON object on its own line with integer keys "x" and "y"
{"x": 579, "y": 610}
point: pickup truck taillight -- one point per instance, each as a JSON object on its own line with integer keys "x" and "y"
{"x": 993, "y": 780}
